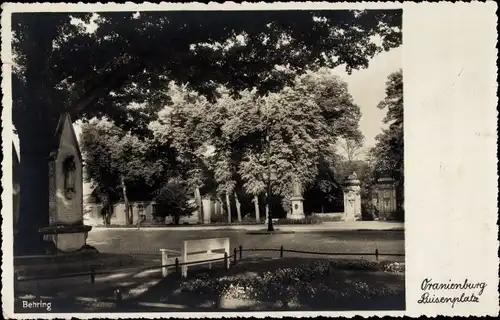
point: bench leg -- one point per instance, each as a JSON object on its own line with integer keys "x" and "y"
{"x": 164, "y": 262}
{"x": 164, "y": 272}
{"x": 184, "y": 271}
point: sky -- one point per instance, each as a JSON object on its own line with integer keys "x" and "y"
{"x": 367, "y": 87}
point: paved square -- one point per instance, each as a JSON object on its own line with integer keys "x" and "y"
{"x": 150, "y": 241}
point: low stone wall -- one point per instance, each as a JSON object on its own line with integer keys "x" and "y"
{"x": 192, "y": 219}
{"x": 329, "y": 216}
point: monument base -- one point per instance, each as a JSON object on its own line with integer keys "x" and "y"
{"x": 66, "y": 238}
{"x": 297, "y": 209}
{"x": 296, "y": 216}
{"x": 352, "y": 218}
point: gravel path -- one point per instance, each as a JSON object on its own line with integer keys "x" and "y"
{"x": 150, "y": 241}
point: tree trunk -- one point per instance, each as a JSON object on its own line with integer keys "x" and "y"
{"x": 34, "y": 191}
{"x": 228, "y": 204}
{"x": 35, "y": 120}
{"x": 238, "y": 206}
{"x": 256, "y": 206}
{"x": 199, "y": 204}
{"x": 125, "y": 200}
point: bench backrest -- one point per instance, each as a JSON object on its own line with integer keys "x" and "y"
{"x": 205, "y": 246}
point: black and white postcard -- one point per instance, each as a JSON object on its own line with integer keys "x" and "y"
{"x": 250, "y": 160}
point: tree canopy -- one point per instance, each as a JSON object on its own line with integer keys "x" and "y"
{"x": 223, "y": 144}
{"x": 131, "y": 55}
{"x": 387, "y": 154}
{"x": 111, "y": 154}
{"x": 120, "y": 70}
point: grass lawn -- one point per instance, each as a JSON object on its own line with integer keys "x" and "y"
{"x": 281, "y": 284}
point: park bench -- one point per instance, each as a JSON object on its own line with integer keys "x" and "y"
{"x": 196, "y": 252}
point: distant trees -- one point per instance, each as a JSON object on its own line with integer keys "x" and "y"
{"x": 115, "y": 160}
{"x": 173, "y": 199}
{"x": 224, "y": 143}
{"x": 221, "y": 147}
{"x": 388, "y": 153}
{"x": 62, "y": 67}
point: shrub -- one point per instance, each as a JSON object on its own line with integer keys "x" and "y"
{"x": 172, "y": 200}
{"x": 248, "y": 218}
{"x": 310, "y": 284}
{"x": 218, "y": 218}
{"x": 307, "y": 220}
{"x": 323, "y": 218}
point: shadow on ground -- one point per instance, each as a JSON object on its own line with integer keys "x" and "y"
{"x": 260, "y": 284}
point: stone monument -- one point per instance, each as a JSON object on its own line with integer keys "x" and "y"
{"x": 297, "y": 203}
{"x": 66, "y": 229}
{"x": 207, "y": 207}
{"x": 352, "y": 198}
{"x": 386, "y": 198}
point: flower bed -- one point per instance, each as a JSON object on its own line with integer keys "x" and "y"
{"x": 322, "y": 284}
{"x": 307, "y": 220}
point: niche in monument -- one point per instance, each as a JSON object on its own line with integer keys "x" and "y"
{"x": 352, "y": 198}
{"x": 66, "y": 229}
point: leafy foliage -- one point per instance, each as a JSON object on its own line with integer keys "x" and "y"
{"x": 388, "y": 154}
{"x": 320, "y": 284}
{"x": 224, "y": 143}
{"x": 129, "y": 56}
{"x": 172, "y": 199}
{"x": 110, "y": 154}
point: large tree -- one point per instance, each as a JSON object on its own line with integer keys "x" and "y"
{"x": 62, "y": 67}
{"x": 303, "y": 123}
{"x": 118, "y": 163}
{"x": 388, "y": 153}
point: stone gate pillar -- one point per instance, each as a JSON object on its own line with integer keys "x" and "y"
{"x": 352, "y": 198}
{"x": 386, "y": 198}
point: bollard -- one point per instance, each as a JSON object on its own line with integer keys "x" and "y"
{"x": 281, "y": 252}
{"x": 176, "y": 265}
{"x": 118, "y": 296}
{"x": 16, "y": 284}
{"x": 92, "y": 276}
{"x": 235, "y": 256}
{"x": 37, "y": 294}
{"x": 226, "y": 261}
{"x": 164, "y": 262}
{"x": 241, "y": 252}
{"x": 376, "y": 254}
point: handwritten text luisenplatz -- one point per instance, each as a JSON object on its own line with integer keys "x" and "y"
{"x": 451, "y": 292}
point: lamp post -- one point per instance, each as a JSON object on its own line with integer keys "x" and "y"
{"x": 268, "y": 176}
